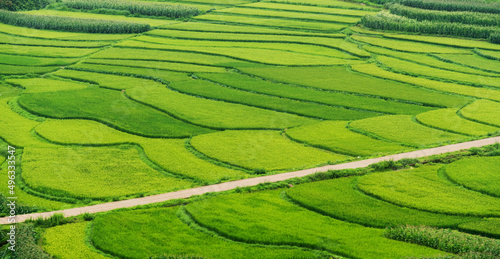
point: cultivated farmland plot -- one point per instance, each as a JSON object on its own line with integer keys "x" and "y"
{"x": 110, "y": 104}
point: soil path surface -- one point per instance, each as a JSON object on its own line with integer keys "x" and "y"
{"x": 251, "y": 181}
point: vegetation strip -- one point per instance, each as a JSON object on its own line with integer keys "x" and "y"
{"x": 253, "y": 181}
{"x": 70, "y": 24}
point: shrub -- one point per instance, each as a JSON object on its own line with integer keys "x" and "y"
{"x": 16, "y": 5}
{"x": 451, "y": 5}
{"x": 494, "y": 37}
{"x": 142, "y": 8}
{"x": 26, "y": 243}
{"x": 70, "y": 24}
{"x": 447, "y": 240}
{"x": 384, "y": 21}
{"x": 443, "y": 16}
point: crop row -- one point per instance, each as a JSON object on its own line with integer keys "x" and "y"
{"x": 261, "y": 150}
{"x": 340, "y": 79}
{"x": 372, "y": 69}
{"x": 251, "y": 84}
{"x": 58, "y": 35}
{"x": 110, "y": 107}
{"x": 448, "y": 120}
{"x": 173, "y": 237}
{"x": 411, "y": 68}
{"x": 16, "y": 5}
{"x": 402, "y": 129}
{"x": 446, "y": 41}
{"x": 35, "y": 61}
{"x": 384, "y": 21}
{"x": 483, "y": 111}
{"x": 269, "y": 13}
{"x": 336, "y": 197}
{"x": 273, "y": 23}
{"x": 432, "y": 61}
{"x": 21, "y": 70}
{"x": 308, "y": 9}
{"x": 236, "y": 56}
{"x": 215, "y": 114}
{"x": 224, "y": 28}
{"x": 134, "y": 7}
{"x": 262, "y": 41}
{"x": 408, "y": 46}
{"x": 328, "y": 3}
{"x": 282, "y": 223}
{"x": 334, "y": 136}
{"x": 423, "y": 189}
{"x": 70, "y": 24}
{"x": 210, "y": 90}
{"x": 16, "y": 40}
{"x": 451, "y": 5}
{"x": 444, "y": 16}
{"x": 474, "y": 61}
{"x": 170, "y": 154}
{"x": 93, "y": 172}
{"x": 38, "y": 85}
{"x": 478, "y": 173}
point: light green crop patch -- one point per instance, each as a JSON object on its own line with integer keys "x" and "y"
{"x": 447, "y": 119}
{"x": 453, "y": 42}
{"x": 107, "y": 80}
{"x": 273, "y": 23}
{"x": 39, "y": 85}
{"x": 413, "y": 68}
{"x": 45, "y": 34}
{"x": 487, "y": 226}
{"x": 93, "y": 172}
{"x": 283, "y": 223}
{"x": 408, "y": 45}
{"x": 36, "y": 61}
{"x": 228, "y": 38}
{"x": 170, "y": 154}
{"x": 290, "y": 15}
{"x": 328, "y": 3}
{"x": 338, "y": 78}
{"x": 152, "y": 22}
{"x": 214, "y": 91}
{"x": 109, "y": 107}
{"x": 39, "y": 51}
{"x": 401, "y": 129}
{"x": 423, "y": 189}
{"x": 336, "y": 198}
{"x": 169, "y": 66}
{"x": 18, "y": 40}
{"x": 313, "y": 9}
{"x": 478, "y": 173}
{"x": 167, "y": 235}
{"x": 483, "y": 111}
{"x": 334, "y": 136}
{"x": 267, "y": 150}
{"x": 68, "y": 242}
{"x": 215, "y": 114}
{"x": 431, "y": 61}
{"x": 473, "y": 61}
{"x": 263, "y": 86}
{"x": 456, "y": 101}
{"x": 20, "y": 70}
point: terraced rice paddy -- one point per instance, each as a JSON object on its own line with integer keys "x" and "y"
{"x": 247, "y": 88}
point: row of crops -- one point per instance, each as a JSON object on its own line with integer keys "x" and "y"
{"x": 245, "y": 90}
{"x": 473, "y": 19}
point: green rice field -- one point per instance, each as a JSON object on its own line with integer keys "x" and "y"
{"x": 214, "y": 92}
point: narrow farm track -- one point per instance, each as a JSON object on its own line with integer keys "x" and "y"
{"x": 252, "y": 181}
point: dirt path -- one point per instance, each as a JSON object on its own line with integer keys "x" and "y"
{"x": 253, "y": 181}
